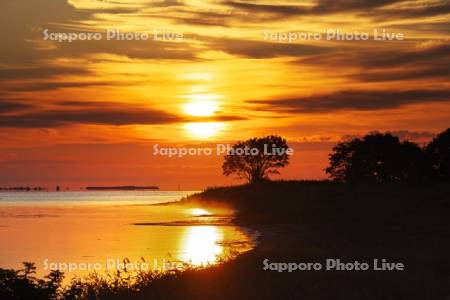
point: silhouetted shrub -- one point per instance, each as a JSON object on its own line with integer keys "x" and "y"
{"x": 21, "y": 284}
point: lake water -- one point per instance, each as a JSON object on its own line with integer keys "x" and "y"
{"x": 95, "y": 231}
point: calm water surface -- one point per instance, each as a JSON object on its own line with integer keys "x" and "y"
{"x": 97, "y": 231}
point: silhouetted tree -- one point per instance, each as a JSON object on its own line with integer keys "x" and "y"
{"x": 377, "y": 157}
{"x": 438, "y": 153}
{"x": 255, "y": 159}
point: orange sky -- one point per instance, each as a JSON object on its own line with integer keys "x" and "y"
{"x": 88, "y": 112}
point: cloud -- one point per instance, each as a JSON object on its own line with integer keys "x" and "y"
{"x": 377, "y": 9}
{"x": 387, "y": 65}
{"x": 19, "y": 21}
{"x": 167, "y": 3}
{"x": 202, "y": 18}
{"x": 354, "y": 100}
{"x": 420, "y": 11}
{"x": 8, "y": 106}
{"x": 382, "y": 58}
{"x": 11, "y": 73}
{"x": 261, "y": 49}
{"x": 92, "y": 112}
{"x": 22, "y": 24}
{"x": 119, "y": 115}
{"x": 432, "y": 71}
{"x": 430, "y": 26}
{"x": 346, "y": 5}
{"x": 44, "y": 86}
{"x": 285, "y": 10}
{"x": 135, "y": 49}
{"x": 431, "y": 54}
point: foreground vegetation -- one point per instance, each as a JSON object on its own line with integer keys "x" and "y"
{"x": 306, "y": 222}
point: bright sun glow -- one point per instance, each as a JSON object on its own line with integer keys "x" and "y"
{"x": 200, "y": 108}
{"x": 199, "y": 212}
{"x": 204, "y": 130}
{"x": 202, "y": 105}
{"x": 200, "y": 245}
{"x": 198, "y": 76}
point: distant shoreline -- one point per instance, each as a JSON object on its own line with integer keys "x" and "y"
{"x": 121, "y": 188}
{"x": 89, "y": 188}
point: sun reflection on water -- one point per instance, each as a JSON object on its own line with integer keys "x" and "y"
{"x": 201, "y": 245}
{"x": 196, "y": 212}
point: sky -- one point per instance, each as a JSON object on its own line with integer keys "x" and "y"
{"x": 196, "y": 73}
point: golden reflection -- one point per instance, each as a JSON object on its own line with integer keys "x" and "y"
{"x": 201, "y": 245}
{"x": 204, "y": 130}
{"x": 199, "y": 212}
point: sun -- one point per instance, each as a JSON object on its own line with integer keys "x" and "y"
{"x": 201, "y": 105}
{"x": 200, "y": 108}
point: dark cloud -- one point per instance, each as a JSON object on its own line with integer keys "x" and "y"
{"x": 135, "y": 49}
{"x": 119, "y": 115}
{"x": 85, "y": 104}
{"x": 44, "y": 86}
{"x": 441, "y": 8}
{"x": 432, "y": 71}
{"x": 22, "y": 24}
{"x": 39, "y": 72}
{"x": 432, "y": 54}
{"x": 19, "y": 21}
{"x": 221, "y": 116}
{"x": 167, "y": 3}
{"x": 389, "y": 65}
{"x": 252, "y": 7}
{"x": 8, "y": 106}
{"x": 346, "y": 5}
{"x": 354, "y": 100}
{"x": 202, "y": 18}
{"x": 261, "y": 49}
{"x": 66, "y": 113}
{"x": 435, "y": 26}
{"x": 117, "y": 10}
{"x": 371, "y": 8}
{"x": 383, "y": 58}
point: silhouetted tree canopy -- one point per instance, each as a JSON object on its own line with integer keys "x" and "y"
{"x": 256, "y": 167}
{"x": 438, "y": 153}
{"x": 377, "y": 157}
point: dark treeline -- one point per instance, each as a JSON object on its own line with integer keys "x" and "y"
{"x": 383, "y": 158}
{"x": 22, "y": 188}
{"x": 374, "y": 158}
